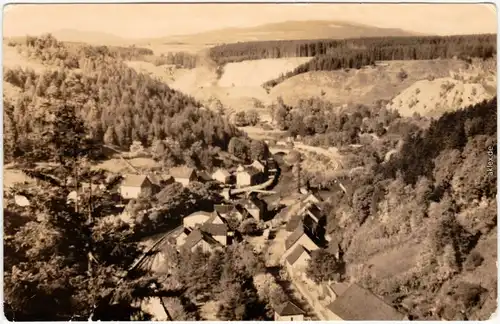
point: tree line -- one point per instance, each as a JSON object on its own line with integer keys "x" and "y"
{"x": 117, "y": 104}
{"x": 331, "y": 55}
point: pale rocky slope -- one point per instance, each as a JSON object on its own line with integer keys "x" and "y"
{"x": 433, "y": 98}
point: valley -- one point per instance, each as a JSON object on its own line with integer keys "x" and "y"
{"x": 277, "y": 172}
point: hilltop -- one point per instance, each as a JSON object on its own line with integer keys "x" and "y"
{"x": 288, "y": 30}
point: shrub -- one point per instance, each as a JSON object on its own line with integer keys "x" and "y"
{"x": 474, "y": 260}
{"x": 402, "y": 75}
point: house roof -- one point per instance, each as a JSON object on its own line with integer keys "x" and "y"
{"x": 314, "y": 210}
{"x": 348, "y": 306}
{"x": 289, "y": 309}
{"x": 224, "y": 209}
{"x": 296, "y": 253}
{"x": 257, "y": 163}
{"x": 133, "y": 180}
{"x": 224, "y": 172}
{"x": 252, "y": 171}
{"x": 294, "y": 237}
{"x": 294, "y": 222}
{"x": 182, "y": 172}
{"x": 195, "y": 237}
{"x": 204, "y": 175}
{"x": 253, "y": 202}
{"x": 214, "y": 229}
{"x": 339, "y": 287}
{"x": 200, "y": 213}
{"x": 158, "y": 178}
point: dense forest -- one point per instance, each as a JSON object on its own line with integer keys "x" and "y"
{"x": 437, "y": 194}
{"x": 118, "y": 105}
{"x": 355, "y": 53}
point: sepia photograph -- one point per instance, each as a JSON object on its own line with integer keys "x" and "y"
{"x": 249, "y": 162}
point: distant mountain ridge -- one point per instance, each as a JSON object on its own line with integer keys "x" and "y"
{"x": 288, "y": 30}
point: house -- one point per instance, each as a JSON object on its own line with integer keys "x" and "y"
{"x": 181, "y": 238}
{"x": 228, "y": 210}
{"x": 161, "y": 180}
{"x": 134, "y": 185}
{"x": 183, "y": 175}
{"x": 198, "y": 239}
{"x": 261, "y": 167}
{"x": 298, "y": 237}
{"x": 332, "y": 290}
{"x": 288, "y": 312}
{"x": 222, "y": 176}
{"x": 313, "y": 198}
{"x": 254, "y": 207}
{"x": 359, "y": 304}
{"x": 204, "y": 176}
{"x": 249, "y": 176}
{"x": 217, "y": 231}
{"x": 298, "y": 259}
{"x": 196, "y": 219}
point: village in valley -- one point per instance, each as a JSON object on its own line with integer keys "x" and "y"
{"x": 252, "y": 211}
{"x": 295, "y": 170}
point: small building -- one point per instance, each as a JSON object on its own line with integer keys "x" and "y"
{"x": 217, "y": 231}
{"x": 313, "y": 198}
{"x": 359, "y": 304}
{"x": 203, "y": 176}
{"x": 183, "y": 175}
{"x": 332, "y": 290}
{"x": 298, "y": 260}
{"x": 254, "y": 207}
{"x": 261, "y": 166}
{"x": 289, "y": 312}
{"x": 198, "y": 239}
{"x": 249, "y": 176}
{"x": 134, "y": 185}
{"x": 298, "y": 237}
{"x": 222, "y": 176}
{"x": 196, "y": 219}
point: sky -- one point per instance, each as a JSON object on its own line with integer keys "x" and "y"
{"x": 156, "y": 20}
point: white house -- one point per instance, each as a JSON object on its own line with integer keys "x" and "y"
{"x": 183, "y": 175}
{"x": 247, "y": 177}
{"x": 134, "y": 185}
{"x": 222, "y": 176}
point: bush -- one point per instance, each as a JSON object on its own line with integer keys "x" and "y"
{"x": 402, "y": 75}
{"x": 250, "y": 227}
{"x": 474, "y": 260}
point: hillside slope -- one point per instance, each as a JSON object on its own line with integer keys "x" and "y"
{"x": 362, "y": 86}
{"x": 433, "y": 98}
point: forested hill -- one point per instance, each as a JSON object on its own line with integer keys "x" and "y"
{"x": 118, "y": 105}
{"x": 355, "y": 53}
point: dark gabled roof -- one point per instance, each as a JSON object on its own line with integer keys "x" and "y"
{"x": 339, "y": 288}
{"x": 192, "y": 239}
{"x": 296, "y": 253}
{"x": 224, "y": 208}
{"x": 251, "y": 170}
{"x": 182, "y": 172}
{"x": 289, "y": 309}
{"x": 294, "y": 237}
{"x": 204, "y": 175}
{"x": 313, "y": 209}
{"x": 358, "y": 304}
{"x": 214, "y": 229}
{"x": 196, "y": 236}
{"x": 253, "y": 202}
{"x": 294, "y": 222}
{"x": 133, "y": 180}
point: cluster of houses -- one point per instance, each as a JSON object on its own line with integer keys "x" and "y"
{"x": 343, "y": 299}
{"x": 210, "y": 230}
{"x": 134, "y": 185}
